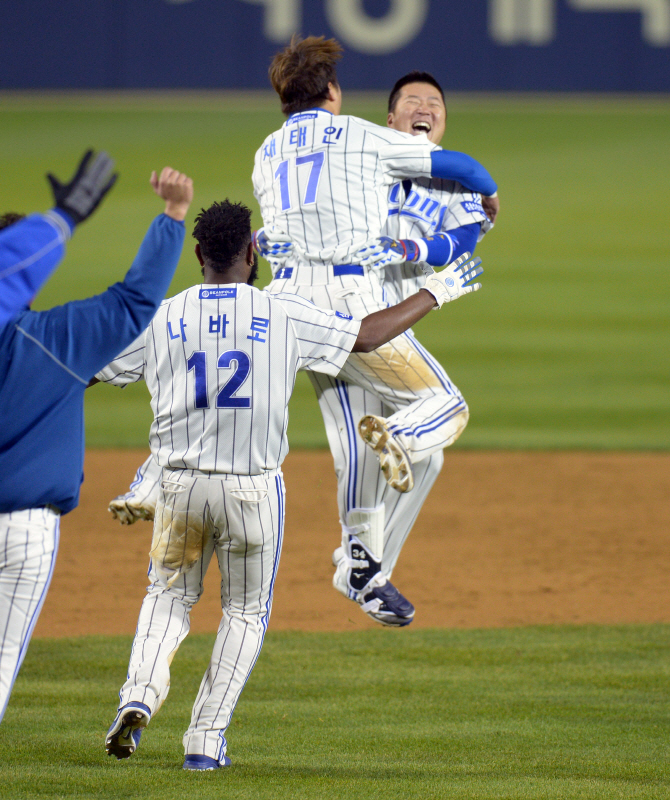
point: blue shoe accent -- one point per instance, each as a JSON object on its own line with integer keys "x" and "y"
{"x": 385, "y": 604}
{"x": 196, "y": 762}
{"x": 123, "y": 737}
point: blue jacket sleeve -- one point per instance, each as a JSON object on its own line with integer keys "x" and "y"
{"x": 30, "y": 250}
{"x": 454, "y": 166}
{"x": 85, "y": 335}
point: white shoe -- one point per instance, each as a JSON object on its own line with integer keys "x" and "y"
{"x": 393, "y": 458}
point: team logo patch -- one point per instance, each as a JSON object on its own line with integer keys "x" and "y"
{"x": 343, "y": 316}
{"x": 449, "y": 281}
{"x": 300, "y": 117}
{"x": 217, "y": 294}
{"x": 472, "y": 206}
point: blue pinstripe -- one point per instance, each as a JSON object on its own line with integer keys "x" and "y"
{"x": 33, "y": 619}
{"x": 343, "y": 395}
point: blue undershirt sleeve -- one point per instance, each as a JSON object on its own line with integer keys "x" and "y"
{"x": 455, "y": 166}
{"x": 85, "y": 335}
{"x": 443, "y": 248}
{"x": 30, "y": 250}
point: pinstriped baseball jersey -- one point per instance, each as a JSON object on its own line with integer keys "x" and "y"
{"x": 324, "y": 180}
{"x": 220, "y": 362}
{"x": 421, "y": 208}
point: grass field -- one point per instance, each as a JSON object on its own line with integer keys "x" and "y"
{"x": 566, "y": 347}
{"x": 529, "y": 713}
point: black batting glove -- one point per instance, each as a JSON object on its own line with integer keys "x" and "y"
{"x": 82, "y": 195}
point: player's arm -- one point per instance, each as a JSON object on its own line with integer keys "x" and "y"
{"x": 455, "y": 166}
{"x": 85, "y": 335}
{"x": 404, "y": 156}
{"x": 451, "y": 283}
{"x": 32, "y": 248}
{"x": 436, "y": 250}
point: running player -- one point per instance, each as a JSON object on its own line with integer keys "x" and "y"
{"x": 220, "y": 361}
{"x": 420, "y": 208}
{"x": 324, "y": 180}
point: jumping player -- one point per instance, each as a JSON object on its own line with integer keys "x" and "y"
{"x": 220, "y": 361}
{"x": 423, "y": 207}
{"x": 324, "y": 180}
{"x": 49, "y": 357}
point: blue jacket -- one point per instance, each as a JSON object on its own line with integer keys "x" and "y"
{"x": 30, "y": 250}
{"x": 47, "y": 359}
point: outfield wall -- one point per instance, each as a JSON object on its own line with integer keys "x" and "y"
{"x": 566, "y": 45}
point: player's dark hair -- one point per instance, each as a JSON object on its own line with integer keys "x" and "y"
{"x": 223, "y": 232}
{"x": 412, "y": 77}
{"x": 9, "y": 219}
{"x": 301, "y": 72}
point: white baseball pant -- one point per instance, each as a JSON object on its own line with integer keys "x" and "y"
{"x": 361, "y": 485}
{"x": 241, "y": 519}
{"x": 28, "y": 548}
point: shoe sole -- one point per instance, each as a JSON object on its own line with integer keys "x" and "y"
{"x": 393, "y": 458}
{"x": 120, "y": 741}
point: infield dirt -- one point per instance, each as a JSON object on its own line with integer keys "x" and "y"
{"x": 505, "y": 538}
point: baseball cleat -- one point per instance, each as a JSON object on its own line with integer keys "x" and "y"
{"x": 196, "y": 762}
{"x": 383, "y": 604}
{"x": 393, "y": 458}
{"x": 124, "y": 735}
{"x": 386, "y": 605}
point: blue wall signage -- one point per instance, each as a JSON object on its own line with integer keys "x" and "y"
{"x": 566, "y": 45}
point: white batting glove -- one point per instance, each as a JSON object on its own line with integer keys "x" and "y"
{"x": 272, "y": 244}
{"x": 455, "y": 279}
{"x": 383, "y": 251}
{"x": 127, "y": 512}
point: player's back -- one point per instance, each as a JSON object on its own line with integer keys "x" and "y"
{"x": 220, "y": 361}
{"x": 220, "y": 365}
{"x": 324, "y": 181}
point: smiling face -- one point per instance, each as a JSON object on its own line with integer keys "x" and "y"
{"x": 419, "y": 109}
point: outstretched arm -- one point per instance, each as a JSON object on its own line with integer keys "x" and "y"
{"x": 32, "y": 248}
{"x": 85, "y": 335}
{"x": 451, "y": 283}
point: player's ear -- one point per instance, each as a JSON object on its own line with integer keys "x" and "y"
{"x": 250, "y": 254}
{"x": 198, "y": 255}
{"x": 389, "y": 120}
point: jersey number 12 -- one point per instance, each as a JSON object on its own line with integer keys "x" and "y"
{"x": 226, "y": 397}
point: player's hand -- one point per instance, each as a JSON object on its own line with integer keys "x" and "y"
{"x": 127, "y": 513}
{"x": 176, "y": 189}
{"x": 83, "y": 194}
{"x": 384, "y": 251}
{"x": 455, "y": 279}
{"x": 272, "y": 244}
{"x": 491, "y": 206}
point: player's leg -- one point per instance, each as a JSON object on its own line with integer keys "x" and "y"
{"x": 139, "y": 502}
{"x": 429, "y": 411}
{"x": 28, "y": 548}
{"x": 250, "y": 517}
{"x": 182, "y": 547}
{"x": 367, "y": 505}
